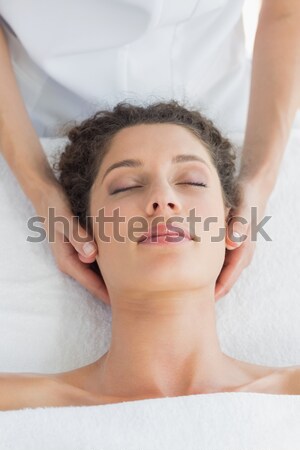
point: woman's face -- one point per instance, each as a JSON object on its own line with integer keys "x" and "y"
{"x": 160, "y": 191}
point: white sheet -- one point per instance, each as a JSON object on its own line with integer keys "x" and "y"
{"x": 49, "y": 323}
{"x": 228, "y": 421}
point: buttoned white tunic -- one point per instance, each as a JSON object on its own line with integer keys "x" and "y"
{"x": 73, "y": 57}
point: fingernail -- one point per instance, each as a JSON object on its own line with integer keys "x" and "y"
{"x": 236, "y": 234}
{"x": 88, "y": 248}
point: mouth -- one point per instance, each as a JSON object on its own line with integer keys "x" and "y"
{"x": 167, "y": 237}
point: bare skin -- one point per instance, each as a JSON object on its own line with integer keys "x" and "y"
{"x": 249, "y": 378}
{"x": 68, "y": 388}
{"x": 164, "y": 339}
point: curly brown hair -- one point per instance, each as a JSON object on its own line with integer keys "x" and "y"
{"x": 78, "y": 165}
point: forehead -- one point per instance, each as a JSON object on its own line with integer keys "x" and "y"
{"x": 154, "y": 142}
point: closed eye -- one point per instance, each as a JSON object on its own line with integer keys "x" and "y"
{"x": 133, "y": 187}
{"x": 196, "y": 184}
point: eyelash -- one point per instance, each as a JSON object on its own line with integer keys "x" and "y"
{"x": 133, "y": 187}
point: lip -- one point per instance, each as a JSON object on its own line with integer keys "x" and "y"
{"x": 160, "y": 232}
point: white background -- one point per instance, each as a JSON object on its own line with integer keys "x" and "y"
{"x": 250, "y": 17}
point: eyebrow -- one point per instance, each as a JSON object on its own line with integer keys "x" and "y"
{"x": 138, "y": 163}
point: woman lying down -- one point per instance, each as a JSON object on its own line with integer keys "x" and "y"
{"x": 160, "y": 273}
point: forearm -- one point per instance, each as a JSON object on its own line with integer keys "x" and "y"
{"x": 19, "y": 142}
{"x": 274, "y": 96}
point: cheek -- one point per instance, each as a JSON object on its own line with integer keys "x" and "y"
{"x": 211, "y": 231}
{"x": 112, "y": 223}
{"x": 211, "y": 212}
{"x": 113, "y": 235}
{"x": 112, "y": 260}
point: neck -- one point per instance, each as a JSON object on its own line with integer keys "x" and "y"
{"x": 164, "y": 344}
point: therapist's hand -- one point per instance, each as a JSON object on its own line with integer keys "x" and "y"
{"x": 240, "y": 251}
{"x": 69, "y": 253}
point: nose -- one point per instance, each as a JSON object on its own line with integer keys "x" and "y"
{"x": 162, "y": 200}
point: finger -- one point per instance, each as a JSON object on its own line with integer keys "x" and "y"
{"x": 225, "y": 283}
{"x": 86, "y": 259}
{"x": 81, "y": 241}
{"x": 237, "y": 232}
{"x": 230, "y": 273}
{"x": 88, "y": 278}
{"x": 232, "y": 245}
{"x": 67, "y": 260}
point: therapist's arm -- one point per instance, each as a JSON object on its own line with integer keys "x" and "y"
{"x": 275, "y": 90}
{"x": 21, "y": 148}
{"x": 274, "y": 100}
{"x": 19, "y": 143}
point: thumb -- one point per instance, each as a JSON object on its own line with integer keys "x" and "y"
{"x": 83, "y": 243}
{"x": 238, "y": 228}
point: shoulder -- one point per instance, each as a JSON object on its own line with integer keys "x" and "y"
{"x": 282, "y": 381}
{"x": 292, "y": 380}
{"x": 19, "y": 391}
{"x": 271, "y": 380}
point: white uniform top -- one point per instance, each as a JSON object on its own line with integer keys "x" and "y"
{"x": 73, "y": 57}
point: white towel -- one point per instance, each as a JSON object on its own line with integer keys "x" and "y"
{"x": 225, "y": 421}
